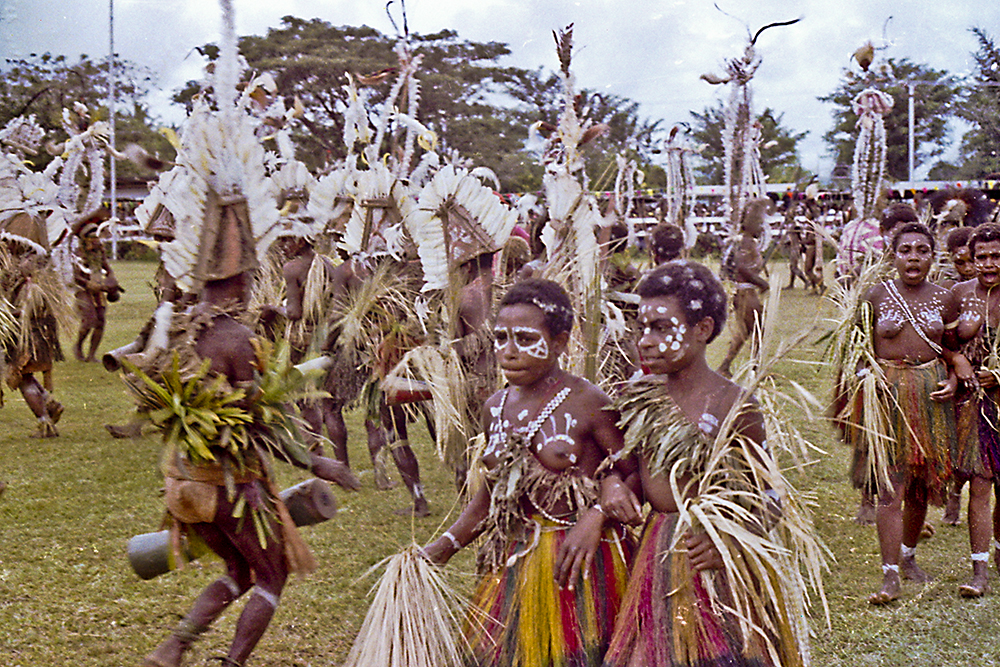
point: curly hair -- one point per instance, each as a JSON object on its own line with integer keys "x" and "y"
{"x": 547, "y": 296}
{"x": 983, "y": 234}
{"x": 958, "y": 238}
{"x": 911, "y": 228}
{"x": 895, "y": 214}
{"x": 666, "y": 242}
{"x": 698, "y": 292}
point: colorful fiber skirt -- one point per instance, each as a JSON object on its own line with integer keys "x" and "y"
{"x": 976, "y": 452}
{"x": 668, "y": 619}
{"x": 521, "y": 618}
{"x": 921, "y": 430}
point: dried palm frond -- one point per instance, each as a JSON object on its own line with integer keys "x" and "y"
{"x": 440, "y": 368}
{"x": 851, "y": 351}
{"x": 414, "y": 619}
{"x": 720, "y": 482}
{"x": 366, "y": 314}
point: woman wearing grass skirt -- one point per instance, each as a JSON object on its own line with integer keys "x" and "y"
{"x": 696, "y": 591}
{"x": 552, "y": 570}
{"x": 977, "y": 450}
{"x": 905, "y": 458}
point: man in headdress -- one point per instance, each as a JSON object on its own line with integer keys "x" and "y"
{"x": 258, "y": 561}
{"x": 95, "y": 281}
{"x": 34, "y": 347}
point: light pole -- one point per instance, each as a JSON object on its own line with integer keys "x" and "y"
{"x": 111, "y": 122}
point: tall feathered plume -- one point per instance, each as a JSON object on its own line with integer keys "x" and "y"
{"x": 221, "y": 154}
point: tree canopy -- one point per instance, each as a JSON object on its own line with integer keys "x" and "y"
{"x": 45, "y": 84}
{"x": 778, "y": 153}
{"x": 936, "y": 94}
{"x": 477, "y": 106}
{"x": 980, "y": 149}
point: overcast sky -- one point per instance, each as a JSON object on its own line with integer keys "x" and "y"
{"x": 652, "y": 51}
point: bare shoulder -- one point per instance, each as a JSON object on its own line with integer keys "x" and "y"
{"x": 965, "y": 288}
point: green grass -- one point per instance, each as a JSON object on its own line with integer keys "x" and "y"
{"x": 68, "y": 595}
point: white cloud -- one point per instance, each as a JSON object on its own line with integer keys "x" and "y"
{"x": 649, "y": 50}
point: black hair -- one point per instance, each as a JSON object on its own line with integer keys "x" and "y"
{"x": 958, "y": 238}
{"x": 895, "y": 214}
{"x": 666, "y": 243}
{"x": 547, "y": 296}
{"x": 911, "y": 228}
{"x": 699, "y": 293}
{"x": 983, "y": 234}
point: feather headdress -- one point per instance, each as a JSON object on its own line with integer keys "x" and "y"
{"x": 228, "y": 205}
{"x": 455, "y": 220}
{"x": 870, "y": 150}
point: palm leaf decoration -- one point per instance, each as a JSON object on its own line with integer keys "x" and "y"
{"x": 772, "y": 560}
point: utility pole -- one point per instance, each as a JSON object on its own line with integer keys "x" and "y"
{"x": 111, "y": 121}
{"x": 910, "y": 139}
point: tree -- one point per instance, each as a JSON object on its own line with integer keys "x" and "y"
{"x": 779, "y": 156}
{"x": 44, "y": 85}
{"x": 477, "y": 107}
{"x": 980, "y": 147}
{"x": 935, "y": 97}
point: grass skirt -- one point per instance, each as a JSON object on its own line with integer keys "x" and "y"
{"x": 921, "y": 429}
{"x": 976, "y": 452}
{"x": 667, "y": 619}
{"x": 521, "y": 618}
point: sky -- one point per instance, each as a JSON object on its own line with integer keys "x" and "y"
{"x": 651, "y": 51}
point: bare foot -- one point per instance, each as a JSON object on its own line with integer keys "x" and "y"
{"x": 910, "y": 570}
{"x": 951, "y": 510}
{"x": 382, "y": 481}
{"x": 977, "y": 587}
{"x": 866, "y": 513}
{"x": 927, "y": 532}
{"x": 129, "y": 430}
{"x": 420, "y": 508}
{"x": 890, "y": 590}
{"x": 3, "y": 487}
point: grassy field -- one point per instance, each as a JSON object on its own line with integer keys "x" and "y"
{"x": 69, "y": 597}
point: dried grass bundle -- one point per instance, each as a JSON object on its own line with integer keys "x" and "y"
{"x": 413, "y": 620}
{"x": 772, "y": 558}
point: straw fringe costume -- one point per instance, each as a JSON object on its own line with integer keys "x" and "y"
{"x": 35, "y": 347}
{"x": 920, "y": 430}
{"x": 520, "y": 617}
{"x": 673, "y": 615}
{"x": 976, "y": 449}
{"x": 197, "y": 485}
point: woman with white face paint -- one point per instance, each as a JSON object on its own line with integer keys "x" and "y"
{"x": 553, "y": 569}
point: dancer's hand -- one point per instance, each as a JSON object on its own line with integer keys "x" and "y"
{"x": 618, "y": 502}
{"x": 336, "y": 472}
{"x": 963, "y": 369}
{"x": 986, "y": 378}
{"x": 439, "y": 551}
{"x": 702, "y": 553}
{"x": 946, "y": 391}
{"x": 576, "y": 554}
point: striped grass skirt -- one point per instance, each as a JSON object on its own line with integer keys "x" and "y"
{"x": 521, "y": 618}
{"x": 922, "y": 430}
{"x": 976, "y": 452}
{"x": 668, "y": 620}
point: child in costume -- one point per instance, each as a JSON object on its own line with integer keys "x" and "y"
{"x": 96, "y": 284}
{"x": 745, "y": 269}
{"x": 552, "y": 568}
{"x": 903, "y": 456}
{"x": 705, "y": 589}
{"x": 977, "y": 450}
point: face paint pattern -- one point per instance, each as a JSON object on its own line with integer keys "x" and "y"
{"x": 539, "y": 349}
